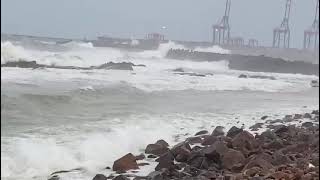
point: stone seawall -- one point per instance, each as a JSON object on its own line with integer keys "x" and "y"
{"x": 248, "y": 62}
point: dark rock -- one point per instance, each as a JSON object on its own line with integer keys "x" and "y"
{"x": 100, "y": 177}
{"x": 298, "y": 116}
{"x": 259, "y": 162}
{"x": 151, "y": 156}
{"x": 181, "y": 148}
{"x": 218, "y": 131}
{"x": 231, "y": 158}
{"x": 194, "y": 140}
{"x": 156, "y": 149}
{"x": 116, "y": 66}
{"x": 243, "y": 76}
{"x": 166, "y": 161}
{"x": 233, "y": 131}
{"x": 264, "y": 117}
{"x": 279, "y": 159}
{"x": 202, "y": 132}
{"x": 199, "y": 162}
{"x": 178, "y": 70}
{"x": 256, "y": 127}
{"x": 125, "y": 163}
{"x": 140, "y": 157}
{"x": 162, "y": 143}
{"x": 54, "y": 177}
{"x": 316, "y": 112}
{"x": 274, "y": 145}
{"x": 208, "y": 140}
{"x": 244, "y": 142}
{"x": 307, "y": 124}
{"x": 121, "y": 177}
{"x": 215, "y": 151}
{"x": 307, "y": 116}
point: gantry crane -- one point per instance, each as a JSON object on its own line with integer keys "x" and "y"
{"x": 311, "y": 35}
{"x": 281, "y": 35}
{"x": 221, "y": 31}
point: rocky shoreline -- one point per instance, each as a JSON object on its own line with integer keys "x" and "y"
{"x": 286, "y": 148}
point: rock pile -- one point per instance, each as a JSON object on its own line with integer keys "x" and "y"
{"x": 286, "y": 152}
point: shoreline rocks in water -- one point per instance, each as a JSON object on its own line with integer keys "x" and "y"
{"x": 288, "y": 150}
{"x": 108, "y": 66}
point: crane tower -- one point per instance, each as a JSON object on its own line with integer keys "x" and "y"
{"x": 221, "y": 31}
{"x": 281, "y": 35}
{"x": 311, "y": 35}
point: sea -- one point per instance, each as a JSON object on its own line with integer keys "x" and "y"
{"x": 64, "y": 119}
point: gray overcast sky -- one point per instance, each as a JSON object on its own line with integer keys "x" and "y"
{"x": 185, "y": 19}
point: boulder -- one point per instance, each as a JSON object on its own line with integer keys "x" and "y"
{"x": 307, "y": 124}
{"x": 202, "y": 132}
{"x": 256, "y": 127}
{"x": 231, "y": 158}
{"x": 166, "y": 161}
{"x": 208, "y": 140}
{"x": 162, "y": 143}
{"x": 215, "y": 151}
{"x": 218, "y": 131}
{"x": 100, "y": 177}
{"x": 244, "y": 141}
{"x": 181, "y": 151}
{"x": 233, "y": 131}
{"x": 127, "y": 162}
{"x": 156, "y": 149}
{"x": 54, "y": 177}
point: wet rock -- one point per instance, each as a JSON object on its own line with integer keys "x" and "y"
{"x": 178, "y": 70}
{"x": 218, "y": 131}
{"x": 215, "y": 151}
{"x": 307, "y": 116}
{"x": 202, "y": 132}
{"x": 316, "y": 112}
{"x": 208, "y": 140}
{"x": 298, "y": 116}
{"x": 243, "y": 76}
{"x": 151, "y": 156}
{"x": 100, "y": 177}
{"x": 165, "y": 161}
{"x": 256, "y": 127}
{"x": 181, "y": 151}
{"x": 307, "y": 124}
{"x": 116, "y": 66}
{"x": 264, "y": 117}
{"x": 231, "y": 158}
{"x": 162, "y": 143}
{"x": 54, "y": 177}
{"x": 244, "y": 141}
{"x": 194, "y": 140}
{"x": 233, "y": 131}
{"x": 156, "y": 149}
{"x": 127, "y": 162}
{"x": 140, "y": 157}
{"x": 121, "y": 177}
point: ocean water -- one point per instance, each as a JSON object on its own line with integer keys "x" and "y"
{"x": 55, "y": 119}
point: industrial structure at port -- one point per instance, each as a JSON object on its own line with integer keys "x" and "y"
{"x": 281, "y": 35}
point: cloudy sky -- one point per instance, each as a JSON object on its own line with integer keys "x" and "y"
{"x": 184, "y": 19}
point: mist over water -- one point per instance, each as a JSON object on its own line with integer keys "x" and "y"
{"x": 56, "y": 119}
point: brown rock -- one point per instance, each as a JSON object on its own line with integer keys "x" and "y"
{"x": 156, "y": 149}
{"x": 231, "y": 158}
{"x": 125, "y": 163}
{"x": 100, "y": 177}
{"x": 181, "y": 151}
{"x": 215, "y": 151}
{"x": 208, "y": 140}
{"x": 244, "y": 141}
{"x": 166, "y": 161}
